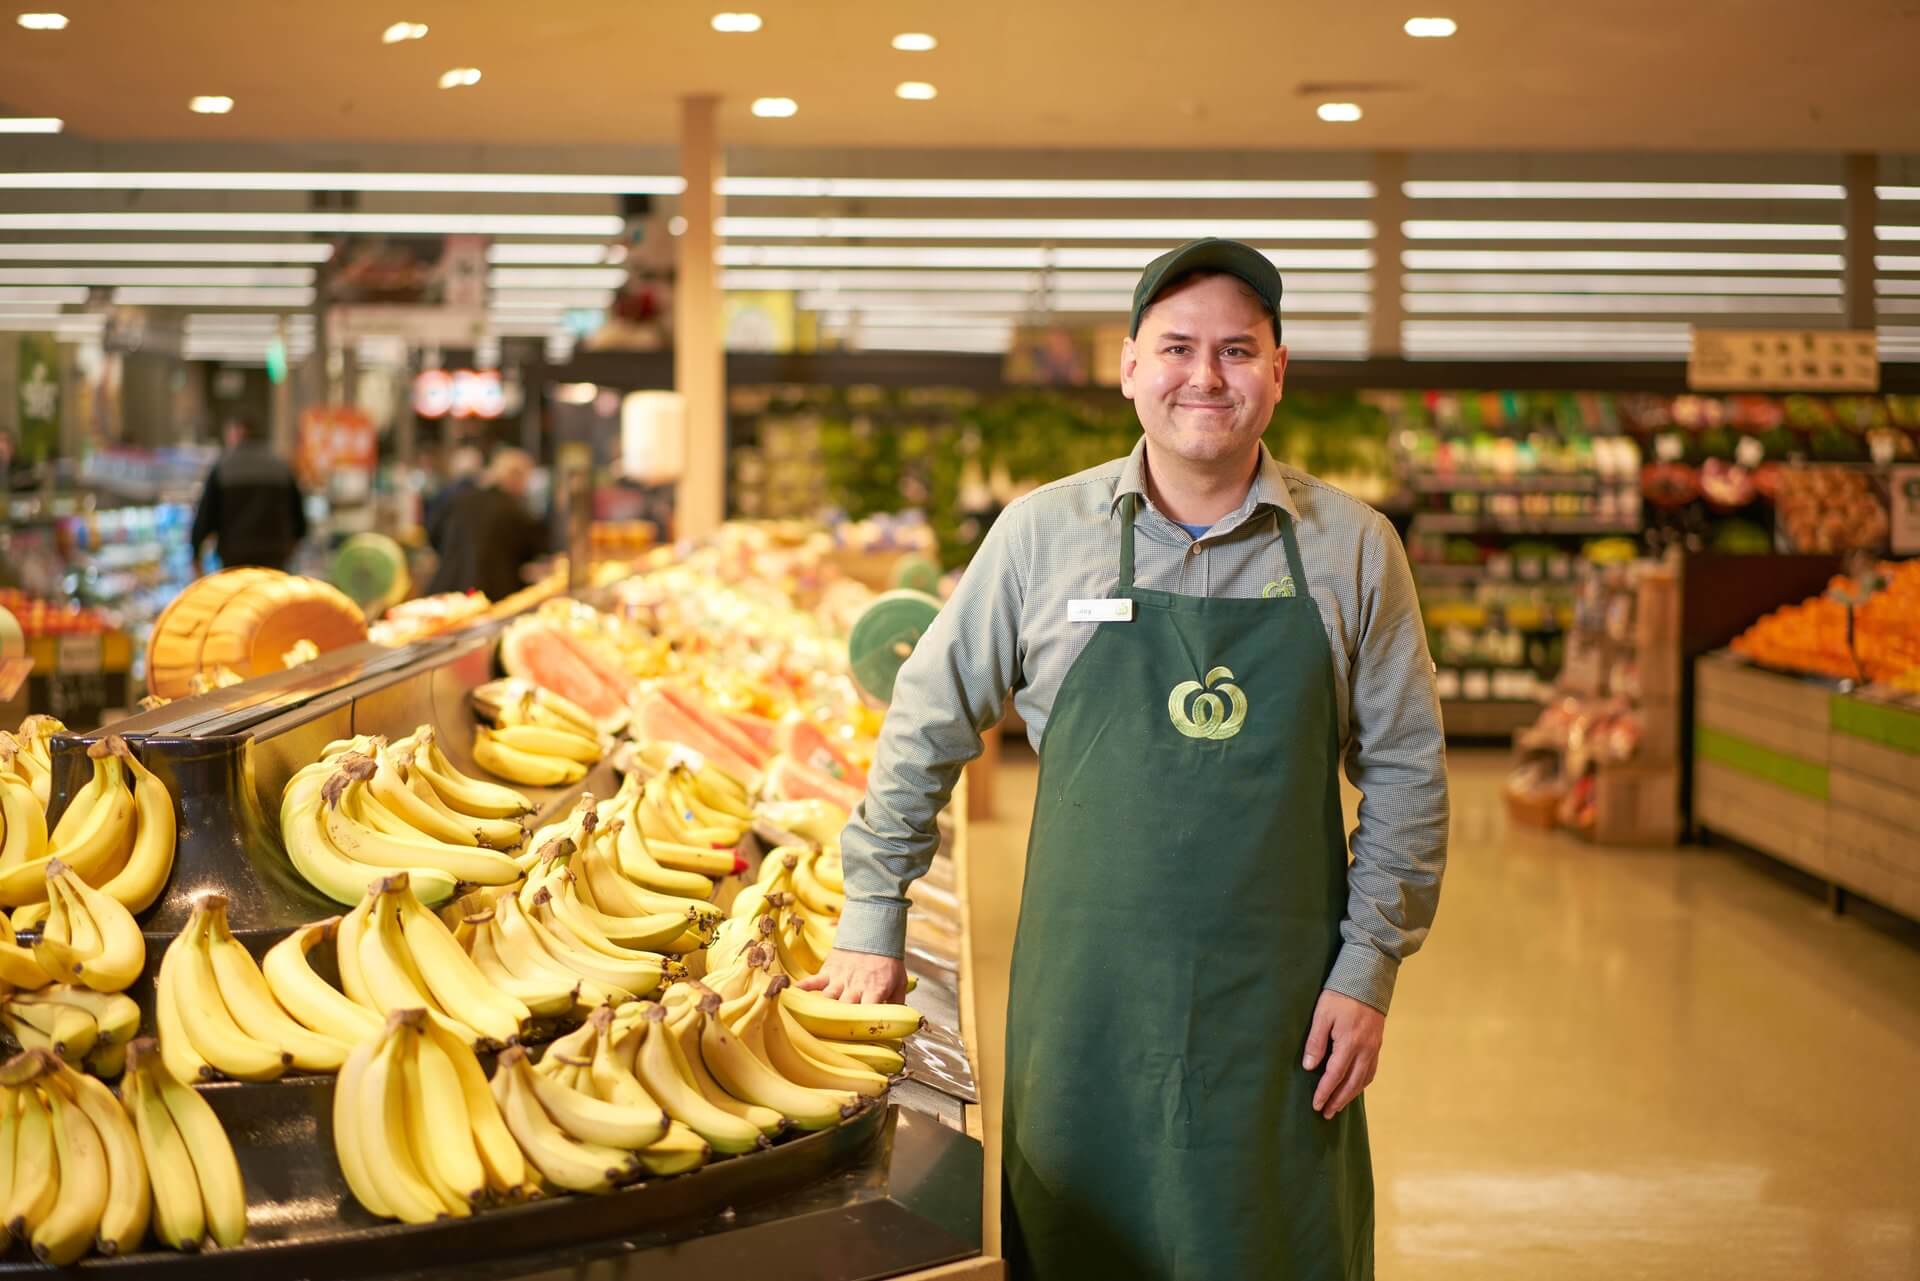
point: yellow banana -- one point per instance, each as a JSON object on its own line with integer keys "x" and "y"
{"x": 342, "y": 879}
{"x": 381, "y": 1105}
{"x": 251, "y": 1001}
{"x": 505, "y": 1165}
{"x": 175, "y": 1046}
{"x": 544, "y": 740}
{"x": 638, "y": 864}
{"x": 203, "y": 1012}
{"x": 657, "y": 1063}
{"x": 178, "y": 1217}
{"x": 843, "y": 1021}
{"x": 349, "y": 1147}
{"x": 150, "y": 860}
{"x": 677, "y": 1152}
{"x": 63, "y": 1030}
{"x": 611, "y": 892}
{"x": 389, "y": 786}
{"x": 17, "y": 966}
{"x": 121, "y": 951}
{"x": 635, "y": 973}
{"x": 438, "y": 1127}
{"x": 494, "y": 833}
{"x": 544, "y": 997}
{"x": 743, "y": 1074}
{"x": 523, "y": 767}
{"x": 23, "y": 819}
{"x": 872, "y": 1055}
{"x": 594, "y": 1120}
{"x": 36, "y": 1172}
{"x": 89, "y": 840}
{"x": 452, "y": 978}
{"x": 463, "y": 792}
{"x": 116, "y": 1016}
{"x": 563, "y": 1160}
{"x": 814, "y": 893}
{"x": 647, "y": 933}
{"x": 298, "y": 989}
{"x": 347, "y": 830}
{"x": 810, "y": 819}
{"x": 123, "y": 1221}
{"x": 787, "y": 1053}
{"x": 66, "y": 1233}
{"x": 522, "y": 952}
{"x": 392, "y": 981}
{"x": 223, "y": 1196}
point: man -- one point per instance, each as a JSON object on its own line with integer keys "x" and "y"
{"x": 250, "y": 504}
{"x": 464, "y": 466}
{"x": 1196, "y": 635}
{"x": 485, "y": 535}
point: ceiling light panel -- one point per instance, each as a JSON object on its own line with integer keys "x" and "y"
{"x": 736, "y": 23}
{"x": 102, "y": 276}
{"x": 1601, "y": 283}
{"x": 1612, "y": 260}
{"x": 43, "y": 21}
{"x": 785, "y": 279}
{"x": 1714, "y": 304}
{"x": 981, "y": 258}
{"x": 554, "y": 298}
{"x": 557, "y": 255}
{"x": 774, "y": 108}
{"x": 915, "y": 91}
{"x": 1896, "y": 262}
{"x": 557, "y": 277}
{"x": 151, "y": 252}
{"x": 1442, "y": 229}
{"x": 915, "y": 42}
{"x": 1174, "y": 229}
{"x": 400, "y": 32}
{"x": 1623, "y": 191}
{"x": 1043, "y": 189}
{"x": 210, "y": 105}
{"x": 1897, "y": 193}
{"x": 602, "y": 226}
{"x": 31, "y": 124}
{"x": 459, "y": 77}
{"x": 1430, "y": 28}
{"x": 539, "y": 184}
{"x": 1897, "y": 233}
{"x": 1338, "y": 113}
{"x": 59, "y": 295}
{"x": 143, "y": 296}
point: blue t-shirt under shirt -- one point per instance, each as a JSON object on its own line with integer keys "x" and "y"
{"x": 1193, "y": 531}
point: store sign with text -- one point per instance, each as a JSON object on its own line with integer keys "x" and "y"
{"x": 1784, "y": 360}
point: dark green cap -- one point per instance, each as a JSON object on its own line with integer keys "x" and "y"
{"x": 1229, "y": 257}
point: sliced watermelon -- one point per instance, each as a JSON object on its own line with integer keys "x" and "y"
{"x": 792, "y": 781}
{"x": 658, "y": 718}
{"x": 806, "y": 742}
{"x": 719, "y": 727}
{"x": 539, "y": 652}
{"x": 758, "y": 728}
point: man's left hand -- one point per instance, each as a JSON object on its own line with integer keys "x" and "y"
{"x": 1356, "y": 1030}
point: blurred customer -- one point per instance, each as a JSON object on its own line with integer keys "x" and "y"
{"x": 486, "y": 535}
{"x": 250, "y": 505}
{"x": 464, "y": 466}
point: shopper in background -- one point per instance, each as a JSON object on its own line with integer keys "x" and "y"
{"x": 1200, "y": 980}
{"x": 464, "y": 466}
{"x": 486, "y": 536}
{"x": 250, "y": 504}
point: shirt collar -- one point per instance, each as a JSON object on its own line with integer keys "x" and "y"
{"x": 1269, "y": 483}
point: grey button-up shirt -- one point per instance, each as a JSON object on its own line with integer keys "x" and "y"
{"x": 1006, "y": 630}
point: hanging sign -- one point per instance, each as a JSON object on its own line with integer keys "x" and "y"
{"x": 1784, "y": 360}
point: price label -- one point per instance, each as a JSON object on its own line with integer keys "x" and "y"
{"x": 1749, "y": 452}
{"x": 79, "y": 655}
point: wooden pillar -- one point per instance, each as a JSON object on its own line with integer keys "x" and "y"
{"x": 1863, "y": 205}
{"x": 1389, "y": 241}
{"x": 699, "y": 354}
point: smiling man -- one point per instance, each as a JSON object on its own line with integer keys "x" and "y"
{"x": 1197, "y": 635}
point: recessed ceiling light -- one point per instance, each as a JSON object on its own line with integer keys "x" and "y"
{"x": 736, "y": 23}
{"x": 44, "y": 21}
{"x": 31, "y": 124}
{"x": 400, "y": 31}
{"x": 459, "y": 77}
{"x": 1339, "y": 113}
{"x": 210, "y": 105}
{"x": 914, "y": 42}
{"x": 915, "y": 90}
{"x": 775, "y": 108}
{"x": 676, "y": 226}
{"x": 1431, "y": 28}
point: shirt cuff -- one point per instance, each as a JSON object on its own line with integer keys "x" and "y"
{"x": 876, "y": 928}
{"x": 1363, "y": 973}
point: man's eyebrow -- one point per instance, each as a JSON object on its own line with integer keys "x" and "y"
{"x": 1234, "y": 338}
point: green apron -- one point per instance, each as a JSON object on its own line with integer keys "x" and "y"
{"x": 1186, "y": 880}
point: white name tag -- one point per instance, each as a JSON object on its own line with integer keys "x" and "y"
{"x": 1105, "y": 610}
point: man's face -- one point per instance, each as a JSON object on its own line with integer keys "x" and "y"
{"x": 1204, "y": 373}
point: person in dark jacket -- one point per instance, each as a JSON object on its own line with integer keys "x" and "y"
{"x": 250, "y": 504}
{"x": 486, "y": 535}
{"x": 464, "y": 466}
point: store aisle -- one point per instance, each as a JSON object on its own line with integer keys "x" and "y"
{"x": 1608, "y": 1064}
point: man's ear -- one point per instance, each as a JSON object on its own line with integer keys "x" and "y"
{"x": 1129, "y": 357}
{"x": 1279, "y": 372}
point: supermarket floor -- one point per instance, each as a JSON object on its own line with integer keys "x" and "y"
{"x": 1607, "y": 1064}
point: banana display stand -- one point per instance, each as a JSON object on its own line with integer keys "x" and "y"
{"x": 890, "y": 1192}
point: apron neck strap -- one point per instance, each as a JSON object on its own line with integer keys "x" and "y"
{"x": 1293, "y": 548}
{"x": 1129, "y": 508}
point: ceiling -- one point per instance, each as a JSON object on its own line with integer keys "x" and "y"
{"x": 1721, "y": 75}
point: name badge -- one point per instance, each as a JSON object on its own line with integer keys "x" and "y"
{"x": 1106, "y": 610}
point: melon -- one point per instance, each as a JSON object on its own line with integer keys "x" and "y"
{"x": 532, "y": 650}
{"x": 807, "y": 743}
{"x": 790, "y": 780}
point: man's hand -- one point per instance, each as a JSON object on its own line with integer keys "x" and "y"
{"x": 1357, "y": 1030}
{"x": 860, "y": 978}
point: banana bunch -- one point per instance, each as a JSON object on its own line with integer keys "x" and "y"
{"x": 197, "y": 1192}
{"x": 584, "y": 1120}
{"x": 120, "y": 842}
{"x": 684, "y": 820}
{"x": 417, "y": 1131}
{"x": 666, "y": 867}
{"x": 368, "y": 809}
{"x": 537, "y": 739}
{"x": 75, "y": 1175}
{"x": 88, "y": 935}
{"x": 34, "y": 739}
{"x": 76, "y": 1024}
{"x": 395, "y": 954}
{"x": 808, "y": 819}
{"x": 216, "y": 1015}
{"x": 797, "y": 892}
{"x": 869, "y": 1033}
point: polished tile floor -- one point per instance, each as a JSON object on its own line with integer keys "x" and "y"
{"x": 1610, "y": 1065}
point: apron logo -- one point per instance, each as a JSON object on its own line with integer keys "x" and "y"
{"x": 1209, "y": 717}
{"x": 1282, "y": 588}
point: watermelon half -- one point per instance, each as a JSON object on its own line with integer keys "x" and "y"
{"x": 536, "y": 651}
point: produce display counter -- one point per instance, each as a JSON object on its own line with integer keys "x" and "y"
{"x": 1813, "y": 772}
{"x": 893, "y": 1190}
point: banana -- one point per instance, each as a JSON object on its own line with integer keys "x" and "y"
{"x": 106, "y": 1059}
{"x": 594, "y": 1120}
{"x": 116, "y": 1016}
{"x": 179, "y": 1220}
{"x": 842, "y": 1021}
{"x": 308, "y": 997}
{"x": 378, "y": 1108}
{"x": 544, "y": 740}
{"x": 810, "y": 819}
{"x": 209, "y": 1024}
{"x": 9, "y": 1136}
{"x": 66, "y": 1031}
{"x": 342, "y": 879}
{"x": 17, "y": 966}
{"x": 788, "y": 1054}
{"x": 94, "y": 835}
{"x": 495, "y": 833}
{"x": 818, "y": 936}
{"x": 744, "y": 1074}
{"x": 567, "y": 1162}
{"x": 23, "y": 817}
{"x": 389, "y": 787}
{"x": 155, "y": 835}
{"x": 505, "y": 1164}
{"x": 120, "y": 952}
{"x": 463, "y": 792}
{"x": 392, "y": 982}
{"x": 544, "y": 997}
{"x": 452, "y": 978}
{"x": 596, "y": 864}
{"x": 526, "y": 768}
{"x": 36, "y": 1173}
{"x": 610, "y": 1075}
{"x": 179, "y": 1058}
{"x": 64, "y": 1235}
{"x": 349, "y": 1147}
{"x": 438, "y": 1126}
{"x": 247, "y": 995}
{"x": 872, "y": 1055}
{"x": 636, "y": 974}
{"x": 614, "y": 934}
{"x": 789, "y": 940}
{"x": 684, "y": 794}
{"x": 342, "y": 819}
{"x": 814, "y": 893}
{"x": 522, "y": 952}
{"x": 123, "y": 1221}
{"x": 658, "y": 1064}
{"x": 223, "y": 1196}
{"x": 679, "y": 1151}
{"x": 638, "y": 864}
